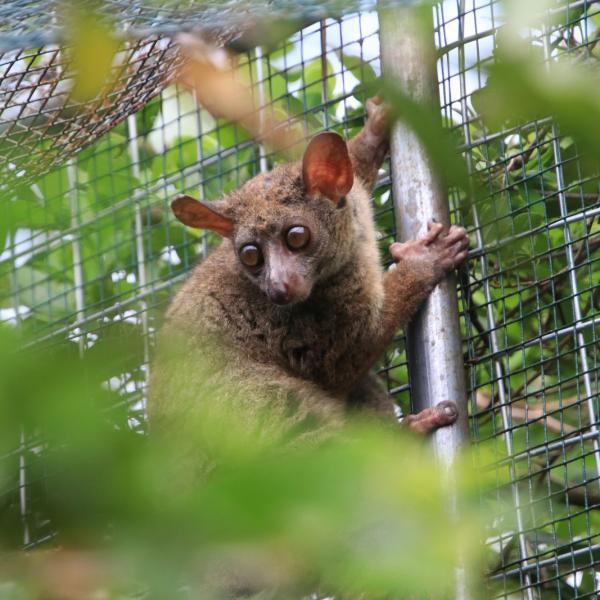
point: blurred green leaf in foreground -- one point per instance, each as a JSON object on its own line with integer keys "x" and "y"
{"x": 362, "y": 513}
{"x": 93, "y": 50}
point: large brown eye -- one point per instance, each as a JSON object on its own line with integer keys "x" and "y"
{"x": 251, "y": 255}
{"x": 297, "y": 237}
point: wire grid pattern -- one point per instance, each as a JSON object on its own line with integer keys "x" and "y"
{"x": 41, "y": 123}
{"x": 25, "y": 23}
{"x": 24, "y": 19}
{"x": 530, "y": 303}
{"x": 95, "y": 255}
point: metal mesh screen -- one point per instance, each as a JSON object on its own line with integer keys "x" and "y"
{"x": 41, "y": 123}
{"x": 530, "y": 312}
{"x": 92, "y": 253}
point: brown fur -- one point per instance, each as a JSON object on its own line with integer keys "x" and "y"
{"x": 316, "y": 354}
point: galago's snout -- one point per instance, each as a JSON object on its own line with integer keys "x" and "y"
{"x": 280, "y": 293}
{"x": 285, "y": 283}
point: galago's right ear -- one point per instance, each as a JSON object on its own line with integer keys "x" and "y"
{"x": 201, "y": 215}
{"x": 327, "y": 168}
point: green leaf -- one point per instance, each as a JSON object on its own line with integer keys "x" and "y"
{"x": 50, "y": 297}
{"x": 92, "y": 51}
{"x": 31, "y": 214}
{"x": 108, "y": 166}
{"x": 312, "y": 92}
{"x": 145, "y": 118}
{"x": 4, "y": 221}
{"x": 440, "y": 146}
{"x": 361, "y": 69}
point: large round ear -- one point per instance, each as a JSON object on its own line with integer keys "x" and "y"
{"x": 201, "y": 215}
{"x": 326, "y": 167}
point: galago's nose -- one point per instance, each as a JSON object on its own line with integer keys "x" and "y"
{"x": 280, "y": 294}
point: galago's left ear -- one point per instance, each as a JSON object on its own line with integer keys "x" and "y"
{"x": 326, "y": 167}
{"x": 201, "y": 215}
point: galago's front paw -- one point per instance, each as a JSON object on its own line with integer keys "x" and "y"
{"x": 378, "y": 121}
{"x": 440, "y": 251}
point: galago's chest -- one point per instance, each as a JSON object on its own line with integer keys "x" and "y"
{"x": 315, "y": 344}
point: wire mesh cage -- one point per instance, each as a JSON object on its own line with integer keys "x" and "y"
{"x": 530, "y": 309}
{"x": 41, "y": 123}
{"x": 42, "y": 118}
{"x": 92, "y": 253}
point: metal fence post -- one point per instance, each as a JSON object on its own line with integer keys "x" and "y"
{"x": 434, "y": 338}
